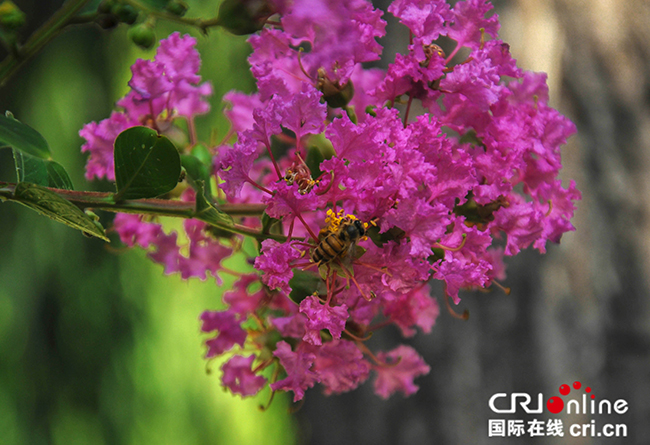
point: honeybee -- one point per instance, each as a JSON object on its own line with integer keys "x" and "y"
{"x": 337, "y": 244}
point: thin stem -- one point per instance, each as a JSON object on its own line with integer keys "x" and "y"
{"x": 275, "y": 164}
{"x": 191, "y": 129}
{"x": 408, "y": 109}
{"x": 311, "y": 233}
{"x": 380, "y": 325}
{"x": 459, "y": 45}
{"x": 355, "y": 338}
{"x": 291, "y": 228}
{"x": 203, "y": 25}
{"x": 228, "y": 135}
{"x": 231, "y": 272}
{"x": 451, "y": 249}
{"x": 159, "y": 207}
{"x": 259, "y": 187}
{"x": 40, "y": 38}
{"x": 82, "y": 19}
{"x": 330, "y": 287}
{"x": 373, "y": 357}
{"x": 452, "y": 312}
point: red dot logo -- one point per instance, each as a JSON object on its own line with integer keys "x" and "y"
{"x": 564, "y": 390}
{"x": 555, "y": 404}
{"x": 577, "y": 385}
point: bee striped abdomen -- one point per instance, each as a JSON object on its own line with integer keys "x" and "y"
{"x": 329, "y": 248}
{"x": 337, "y": 244}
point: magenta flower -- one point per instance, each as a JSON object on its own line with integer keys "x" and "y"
{"x": 274, "y": 262}
{"x": 469, "y": 22}
{"x": 287, "y": 202}
{"x": 181, "y": 61}
{"x": 340, "y": 366}
{"x": 234, "y": 164}
{"x": 229, "y": 331}
{"x": 322, "y": 316}
{"x": 416, "y": 308}
{"x": 167, "y": 252}
{"x": 425, "y": 18}
{"x": 169, "y": 82}
{"x": 404, "y": 366}
{"x": 133, "y": 231}
{"x": 364, "y": 81}
{"x": 435, "y": 169}
{"x": 341, "y": 34}
{"x": 239, "y": 378}
{"x": 205, "y": 253}
{"x": 412, "y": 74}
{"x": 100, "y": 138}
{"x": 304, "y": 113}
{"x": 291, "y": 326}
{"x": 240, "y": 114}
{"x": 298, "y": 368}
{"x": 148, "y": 80}
{"x": 240, "y": 299}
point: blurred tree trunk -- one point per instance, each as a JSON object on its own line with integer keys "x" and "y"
{"x": 582, "y": 311}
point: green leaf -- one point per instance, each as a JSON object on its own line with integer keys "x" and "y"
{"x": 303, "y": 284}
{"x": 202, "y": 153}
{"x": 313, "y": 161}
{"x": 209, "y": 213}
{"x": 50, "y": 204}
{"x": 393, "y": 234}
{"x": 196, "y": 171}
{"x": 146, "y": 164}
{"x": 269, "y": 224}
{"x": 91, "y": 6}
{"x": 19, "y": 136}
{"x": 41, "y": 171}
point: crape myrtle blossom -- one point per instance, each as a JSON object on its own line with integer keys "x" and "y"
{"x": 161, "y": 89}
{"x": 386, "y": 201}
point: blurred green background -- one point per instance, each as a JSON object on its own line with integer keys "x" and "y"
{"x": 96, "y": 346}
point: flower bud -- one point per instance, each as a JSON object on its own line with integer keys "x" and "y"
{"x": 242, "y": 17}
{"x": 143, "y": 35}
{"x": 177, "y": 7}
{"x": 11, "y": 17}
{"x": 125, "y": 13}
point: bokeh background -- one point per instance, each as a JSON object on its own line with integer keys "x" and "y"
{"x": 98, "y": 347}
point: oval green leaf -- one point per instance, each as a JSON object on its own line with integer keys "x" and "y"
{"x": 19, "y": 136}
{"x": 56, "y": 207}
{"x": 146, "y": 164}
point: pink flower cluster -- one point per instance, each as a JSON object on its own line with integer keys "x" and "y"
{"x": 161, "y": 90}
{"x": 442, "y": 195}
